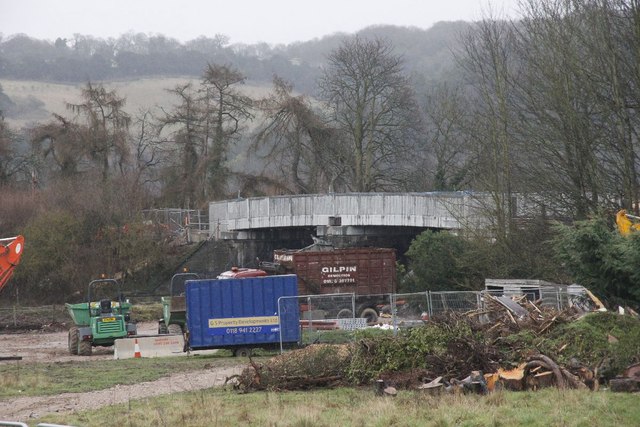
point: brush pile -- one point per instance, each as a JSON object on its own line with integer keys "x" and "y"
{"x": 517, "y": 348}
{"x": 319, "y": 365}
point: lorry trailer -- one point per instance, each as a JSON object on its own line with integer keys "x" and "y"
{"x": 369, "y": 273}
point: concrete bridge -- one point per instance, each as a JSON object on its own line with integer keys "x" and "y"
{"x": 351, "y": 219}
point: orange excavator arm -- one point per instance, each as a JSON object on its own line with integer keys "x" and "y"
{"x": 10, "y": 252}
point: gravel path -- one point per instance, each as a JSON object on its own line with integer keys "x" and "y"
{"x": 43, "y": 346}
{"x": 23, "y": 408}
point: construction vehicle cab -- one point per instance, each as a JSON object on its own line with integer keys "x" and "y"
{"x": 101, "y": 320}
{"x": 10, "y": 252}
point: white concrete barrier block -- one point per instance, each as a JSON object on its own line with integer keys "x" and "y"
{"x": 154, "y": 346}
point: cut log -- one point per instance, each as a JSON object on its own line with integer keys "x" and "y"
{"x": 546, "y": 362}
{"x": 624, "y": 385}
{"x": 633, "y": 371}
{"x": 512, "y": 379}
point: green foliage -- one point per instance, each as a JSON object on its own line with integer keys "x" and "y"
{"x": 599, "y": 258}
{"x": 606, "y": 340}
{"x": 376, "y": 352}
{"x": 444, "y": 261}
{"x": 52, "y": 254}
{"x": 435, "y": 259}
{"x": 379, "y": 351}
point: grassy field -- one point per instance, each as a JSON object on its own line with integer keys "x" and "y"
{"x": 338, "y": 407}
{"x": 148, "y": 93}
{"x": 360, "y": 407}
{"x": 54, "y": 378}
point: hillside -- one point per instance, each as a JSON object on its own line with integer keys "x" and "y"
{"x": 36, "y": 101}
{"x": 38, "y": 77}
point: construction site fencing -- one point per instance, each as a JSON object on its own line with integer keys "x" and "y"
{"x": 327, "y": 318}
{"x": 334, "y": 318}
{"x": 19, "y": 317}
{"x": 461, "y": 301}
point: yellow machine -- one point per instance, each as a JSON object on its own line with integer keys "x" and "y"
{"x": 627, "y": 223}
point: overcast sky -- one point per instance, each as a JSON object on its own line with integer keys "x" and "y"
{"x": 247, "y": 21}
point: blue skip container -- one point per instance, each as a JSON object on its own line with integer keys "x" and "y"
{"x": 242, "y": 314}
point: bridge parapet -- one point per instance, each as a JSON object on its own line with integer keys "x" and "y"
{"x": 424, "y": 210}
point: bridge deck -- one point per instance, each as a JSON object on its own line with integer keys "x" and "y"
{"x": 424, "y": 210}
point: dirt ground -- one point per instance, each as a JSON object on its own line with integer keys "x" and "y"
{"x": 38, "y": 346}
{"x": 41, "y": 345}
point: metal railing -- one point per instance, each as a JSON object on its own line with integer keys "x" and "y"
{"x": 179, "y": 219}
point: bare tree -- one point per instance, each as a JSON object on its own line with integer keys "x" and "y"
{"x": 59, "y": 143}
{"x": 295, "y": 140}
{"x": 12, "y": 163}
{"x": 610, "y": 33}
{"x": 204, "y": 126}
{"x": 225, "y": 109}
{"x": 374, "y": 108}
{"x": 104, "y": 127}
{"x": 445, "y": 119}
{"x": 148, "y": 148}
{"x": 488, "y": 60}
{"x": 184, "y": 124}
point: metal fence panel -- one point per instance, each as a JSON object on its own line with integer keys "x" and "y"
{"x": 462, "y": 301}
{"x": 323, "y": 318}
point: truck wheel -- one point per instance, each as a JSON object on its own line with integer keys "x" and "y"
{"x": 84, "y": 348}
{"x": 345, "y": 313}
{"x": 174, "y": 329}
{"x": 162, "y": 328}
{"x": 74, "y": 336}
{"x": 370, "y": 314}
{"x": 242, "y": 352}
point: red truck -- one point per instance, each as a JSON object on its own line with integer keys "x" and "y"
{"x": 369, "y": 273}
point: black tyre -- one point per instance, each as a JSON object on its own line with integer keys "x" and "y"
{"x": 242, "y": 352}
{"x": 84, "y": 348}
{"x": 345, "y": 313}
{"x": 162, "y": 328}
{"x": 74, "y": 336}
{"x": 174, "y": 329}
{"x": 370, "y": 314}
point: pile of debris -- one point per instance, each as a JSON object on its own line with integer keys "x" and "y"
{"x": 505, "y": 315}
{"x": 318, "y": 365}
{"x": 512, "y": 344}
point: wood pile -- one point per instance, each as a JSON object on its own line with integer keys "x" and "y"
{"x": 538, "y": 372}
{"x": 505, "y": 315}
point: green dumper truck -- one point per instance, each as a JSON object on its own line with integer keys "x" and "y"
{"x": 101, "y": 320}
{"x": 174, "y": 309}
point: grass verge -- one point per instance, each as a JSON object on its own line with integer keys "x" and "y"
{"x": 359, "y": 407}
